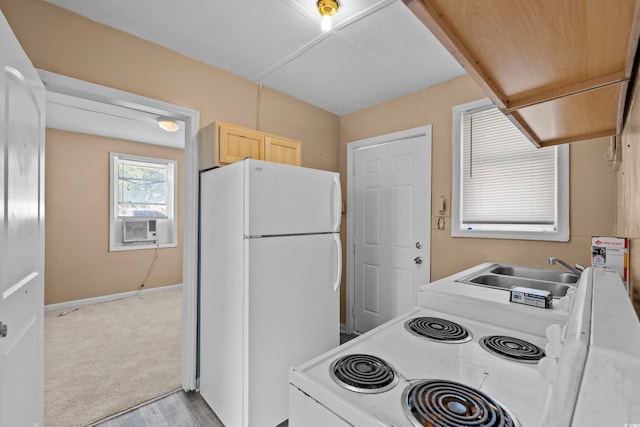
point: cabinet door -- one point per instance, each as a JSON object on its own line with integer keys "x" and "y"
{"x": 282, "y": 150}
{"x": 236, "y": 143}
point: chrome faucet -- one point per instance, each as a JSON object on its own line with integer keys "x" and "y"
{"x": 553, "y": 260}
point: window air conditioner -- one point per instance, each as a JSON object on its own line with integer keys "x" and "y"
{"x": 138, "y": 230}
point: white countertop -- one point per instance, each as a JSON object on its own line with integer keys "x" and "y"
{"x": 488, "y": 304}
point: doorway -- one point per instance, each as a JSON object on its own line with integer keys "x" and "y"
{"x": 66, "y": 86}
{"x": 388, "y": 225}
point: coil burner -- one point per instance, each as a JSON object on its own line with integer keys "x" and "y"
{"x": 437, "y": 329}
{"x": 363, "y": 373}
{"x": 440, "y": 403}
{"x": 512, "y": 348}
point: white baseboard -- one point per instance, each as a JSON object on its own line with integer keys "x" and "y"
{"x": 96, "y": 300}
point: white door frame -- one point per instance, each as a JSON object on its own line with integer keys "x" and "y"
{"x": 351, "y": 202}
{"x": 70, "y": 86}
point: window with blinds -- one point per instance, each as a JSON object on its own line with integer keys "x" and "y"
{"x": 505, "y": 187}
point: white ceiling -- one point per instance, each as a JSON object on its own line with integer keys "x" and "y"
{"x": 377, "y": 50}
{"x": 76, "y": 114}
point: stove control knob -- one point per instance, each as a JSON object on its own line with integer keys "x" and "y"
{"x": 553, "y": 348}
{"x": 565, "y": 303}
{"x": 548, "y": 366}
{"x": 554, "y": 332}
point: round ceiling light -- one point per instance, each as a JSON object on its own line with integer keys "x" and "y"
{"x": 327, "y": 9}
{"x": 167, "y": 124}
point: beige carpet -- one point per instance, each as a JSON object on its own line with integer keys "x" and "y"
{"x": 105, "y": 358}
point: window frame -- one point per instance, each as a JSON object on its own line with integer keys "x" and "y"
{"x": 562, "y": 229}
{"x": 169, "y": 223}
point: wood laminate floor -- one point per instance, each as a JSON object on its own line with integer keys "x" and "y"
{"x": 178, "y": 409}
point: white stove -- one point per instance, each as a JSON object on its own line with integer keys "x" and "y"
{"x": 589, "y": 375}
{"x": 456, "y": 378}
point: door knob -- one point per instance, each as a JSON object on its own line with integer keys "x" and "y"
{"x": 417, "y": 260}
{"x": 3, "y": 330}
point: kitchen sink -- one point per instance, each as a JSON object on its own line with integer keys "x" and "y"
{"x": 536, "y": 273}
{"x": 503, "y": 276}
{"x": 507, "y": 282}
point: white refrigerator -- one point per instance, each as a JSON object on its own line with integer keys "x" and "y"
{"x": 270, "y": 269}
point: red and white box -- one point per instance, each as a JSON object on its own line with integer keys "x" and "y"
{"x": 613, "y": 253}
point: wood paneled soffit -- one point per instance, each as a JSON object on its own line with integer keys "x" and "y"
{"x": 559, "y": 69}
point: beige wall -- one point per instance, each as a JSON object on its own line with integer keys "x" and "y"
{"x": 62, "y": 42}
{"x": 589, "y": 178}
{"x": 65, "y": 43}
{"x": 628, "y": 206}
{"x": 78, "y": 263}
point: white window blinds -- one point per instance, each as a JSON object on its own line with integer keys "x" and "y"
{"x": 505, "y": 181}
{"x": 502, "y": 186}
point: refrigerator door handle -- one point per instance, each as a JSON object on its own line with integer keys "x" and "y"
{"x": 337, "y": 202}
{"x": 336, "y": 284}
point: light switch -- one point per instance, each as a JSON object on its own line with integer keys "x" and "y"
{"x": 442, "y": 204}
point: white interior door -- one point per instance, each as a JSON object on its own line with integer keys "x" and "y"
{"x": 391, "y": 223}
{"x": 22, "y": 236}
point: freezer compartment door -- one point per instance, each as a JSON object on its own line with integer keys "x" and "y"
{"x": 293, "y": 314}
{"x": 283, "y": 199}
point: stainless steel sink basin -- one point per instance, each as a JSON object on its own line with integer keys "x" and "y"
{"x": 536, "y": 273}
{"x": 507, "y": 282}
{"x": 504, "y": 276}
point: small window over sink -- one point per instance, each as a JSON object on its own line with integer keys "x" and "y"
{"x": 503, "y": 186}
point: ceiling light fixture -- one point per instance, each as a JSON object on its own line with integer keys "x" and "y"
{"x": 327, "y": 9}
{"x": 169, "y": 125}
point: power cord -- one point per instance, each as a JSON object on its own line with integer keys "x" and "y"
{"x": 64, "y": 313}
{"x": 153, "y": 261}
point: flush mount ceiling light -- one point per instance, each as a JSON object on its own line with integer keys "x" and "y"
{"x": 169, "y": 125}
{"x": 327, "y": 9}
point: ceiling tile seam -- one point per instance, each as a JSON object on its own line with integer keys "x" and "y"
{"x": 345, "y": 39}
{"x": 313, "y": 42}
{"x": 365, "y": 12}
{"x": 292, "y": 56}
{"x": 297, "y": 7}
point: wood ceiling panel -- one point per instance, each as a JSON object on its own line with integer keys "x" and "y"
{"x": 585, "y": 115}
{"x": 564, "y": 41}
{"x": 529, "y": 55}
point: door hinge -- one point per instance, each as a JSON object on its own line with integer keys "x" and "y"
{"x": 3, "y": 330}
{"x": 353, "y": 311}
